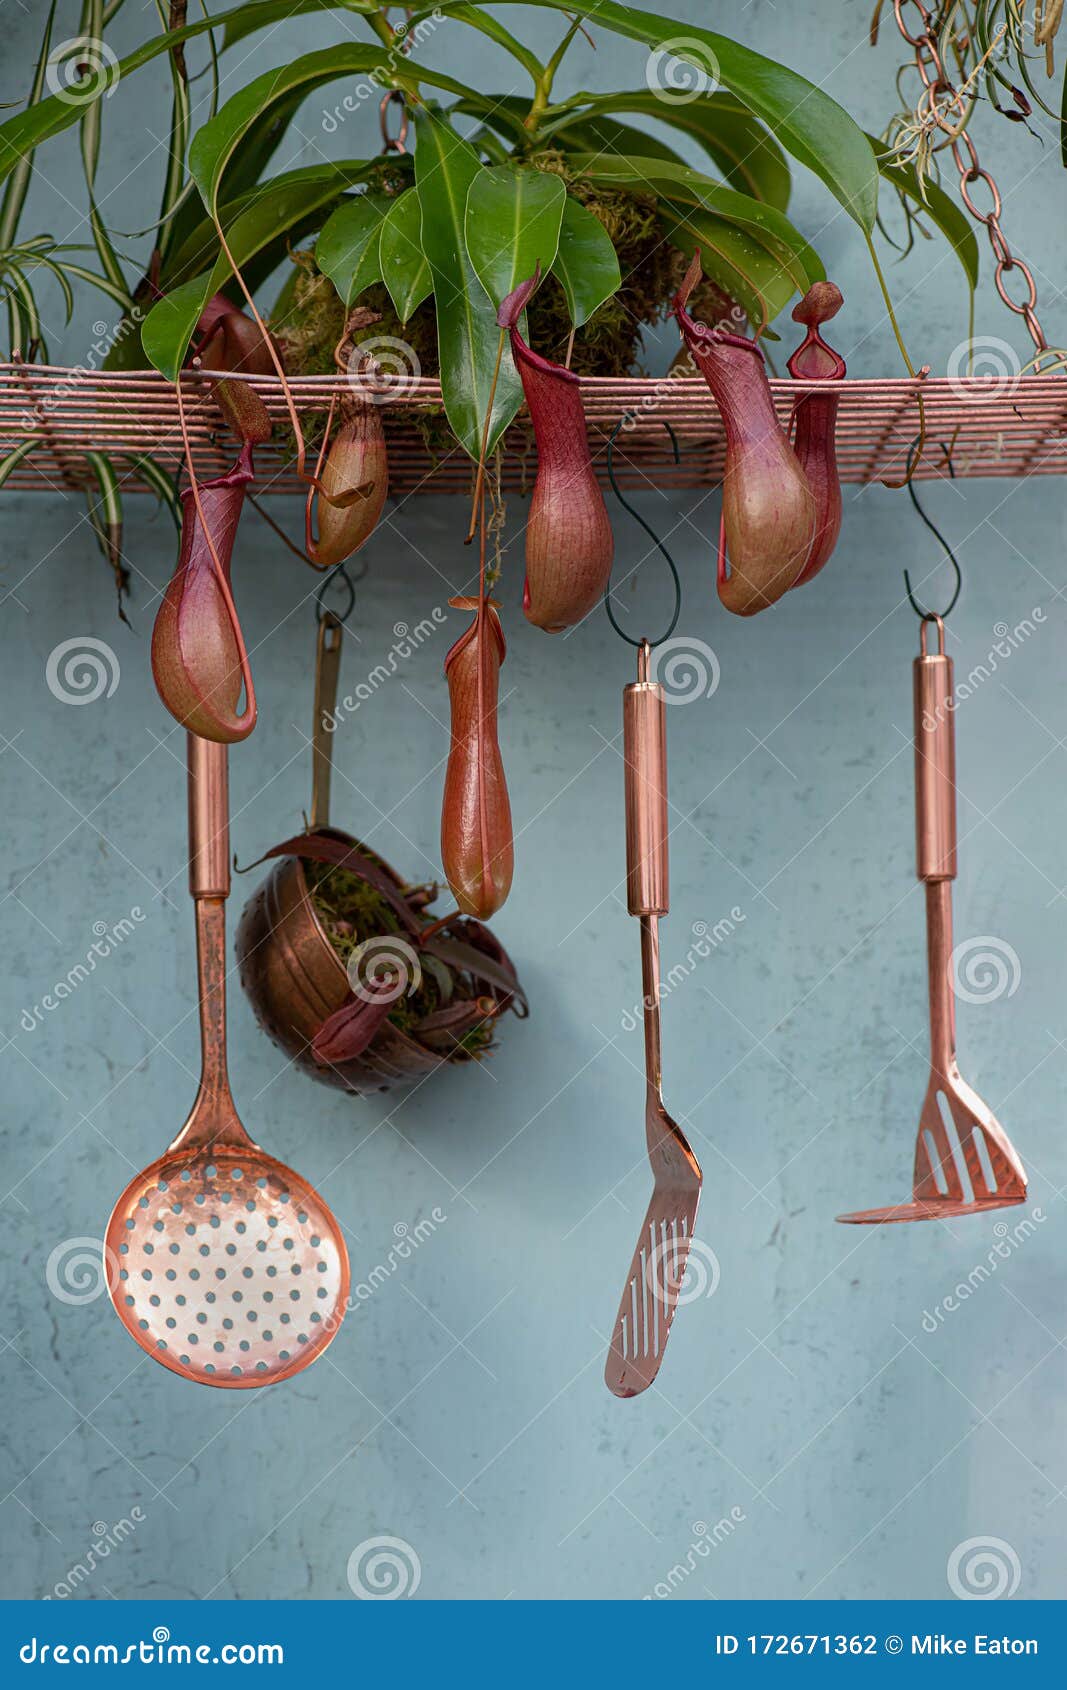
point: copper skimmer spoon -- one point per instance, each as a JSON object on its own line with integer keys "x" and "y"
{"x": 658, "y": 1266}
{"x": 964, "y": 1161}
{"x": 231, "y": 1270}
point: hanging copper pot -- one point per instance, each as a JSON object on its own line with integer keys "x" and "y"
{"x": 298, "y": 984}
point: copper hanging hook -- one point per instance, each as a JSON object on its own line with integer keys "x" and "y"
{"x": 393, "y": 143}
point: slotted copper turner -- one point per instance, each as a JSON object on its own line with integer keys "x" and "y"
{"x": 656, "y": 1272}
{"x": 964, "y": 1161}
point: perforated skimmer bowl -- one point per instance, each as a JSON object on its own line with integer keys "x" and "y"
{"x": 223, "y": 1264}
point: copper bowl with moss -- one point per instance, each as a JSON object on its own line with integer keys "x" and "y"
{"x": 328, "y": 898}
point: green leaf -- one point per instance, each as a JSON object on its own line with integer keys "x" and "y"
{"x": 11, "y": 461}
{"x": 27, "y": 129}
{"x": 931, "y": 198}
{"x": 171, "y": 324}
{"x": 512, "y": 225}
{"x": 348, "y": 249}
{"x": 733, "y": 258}
{"x": 808, "y": 123}
{"x": 405, "y": 271}
{"x": 17, "y": 188}
{"x": 241, "y": 22}
{"x": 586, "y": 264}
{"x": 264, "y": 223}
{"x": 477, "y": 19}
{"x": 20, "y": 134}
{"x": 738, "y": 143}
{"x": 593, "y": 133}
{"x": 766, "y": 225}
{"x": 468, "y": 336}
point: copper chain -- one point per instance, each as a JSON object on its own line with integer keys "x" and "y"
{"x": 946, "y": 110}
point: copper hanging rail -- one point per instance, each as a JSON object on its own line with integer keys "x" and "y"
{"x": 999, "y": 426}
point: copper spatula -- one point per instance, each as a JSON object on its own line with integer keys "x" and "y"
{"x": 658, "y": 1266}
{"x": 964, "y": 1161}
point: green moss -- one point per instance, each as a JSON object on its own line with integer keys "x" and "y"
{"x": 353, "y": 911}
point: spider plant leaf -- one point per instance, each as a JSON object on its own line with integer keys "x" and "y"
{"x": 18, "y": 185}
{"x": 931, "y": 198}
{"x": 15, "y": 457}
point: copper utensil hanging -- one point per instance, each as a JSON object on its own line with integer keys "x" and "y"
{"x": 294, "y": 978}
{"x": 964, "y": 1161}
{"x": 231, "y": 1269}
{"x": 658, "y": 1266}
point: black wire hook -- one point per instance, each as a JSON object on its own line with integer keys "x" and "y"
{"x": 339, "y": 573}
{"x": 920, "y": 610}
{"x": 628, "y": 417}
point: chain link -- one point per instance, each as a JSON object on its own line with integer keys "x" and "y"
{"x": 946, "y": 111}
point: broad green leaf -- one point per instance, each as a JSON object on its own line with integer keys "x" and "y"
{"x": 733, "y": 258}
{"x": 290, "y": 207}
{"x": 171, "y": 324}
{"x": 348, "y": 248}
{"x": 278, "y": 206}
{"x": 593, "y": 133}
{"x": 405, "y": 271}
{"x": 586, "y": 264}
{"x": 468, "y": 336}
{"x": 931, "y": 198}
{"x": 512, "y": 225}
{"x": 769, "y": 227}
{"x": 738, "y": 143}
{"x": 808, "y": 123}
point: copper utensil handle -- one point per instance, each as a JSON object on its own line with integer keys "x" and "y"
{"x": 935, "y": 761}
{"x": 209, "y": 818}
{"x": 644, "y": 723}
{"x": 327, "y": 670}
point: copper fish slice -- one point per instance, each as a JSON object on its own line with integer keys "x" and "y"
{"x": 650, "y": 1296}
{"x": 964, "y": 1160}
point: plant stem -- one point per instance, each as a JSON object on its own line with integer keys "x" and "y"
{"x": 543, "y": 92}
{"x": 889, "y": 306}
